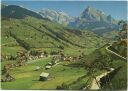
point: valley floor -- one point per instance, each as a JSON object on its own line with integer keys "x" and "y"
{"x": 27, "y": 78}
{"x": 63, "y": 73}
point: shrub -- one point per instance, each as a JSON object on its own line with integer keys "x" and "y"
{"x": 61, "y": 47}
{"x": 64, "y": 86}
{"x": 35, "y": 52}
{"x": 54, "y": 53}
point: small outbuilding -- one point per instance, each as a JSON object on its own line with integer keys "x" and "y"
{"x": 7, "y": 78}
{"x": 49, "y": 63}
{"x": 37, "y": 68}
{"x": 44, "y": 76}
{"x": 48, "y": 67}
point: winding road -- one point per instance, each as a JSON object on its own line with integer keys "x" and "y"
{"x": 107, "y": 48}
{"x": 95, "y": 83}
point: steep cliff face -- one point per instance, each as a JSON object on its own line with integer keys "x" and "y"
{"x": 95, "y": 20}
{"x": 93, "y": 15}
{"x": 56, "y": 16}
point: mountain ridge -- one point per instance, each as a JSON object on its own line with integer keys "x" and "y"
{"x": 18, "y": 12}
{"x": 90, "y": 19}
{"x": 93, "y": 14}
{"x": 56, "y": 16}
{"x": 95, "y": 20}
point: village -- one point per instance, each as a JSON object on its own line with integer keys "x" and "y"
{"x": 26, "y": 58}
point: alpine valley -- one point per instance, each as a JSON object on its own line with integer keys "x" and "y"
{"x": 50, "y": 50}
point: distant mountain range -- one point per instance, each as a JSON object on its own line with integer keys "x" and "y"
{"x": 56, "y": 16}
{"x": 95, "y": 20}
{"x": 90, "y": 19}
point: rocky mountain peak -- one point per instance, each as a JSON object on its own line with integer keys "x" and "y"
{"x": 57, "y": 16}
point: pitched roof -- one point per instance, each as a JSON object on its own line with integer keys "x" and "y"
{"x": 43, "y": 74}
{"x": 48, "y": 66}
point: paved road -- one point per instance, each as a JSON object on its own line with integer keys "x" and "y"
{"x": 107, "y": 48}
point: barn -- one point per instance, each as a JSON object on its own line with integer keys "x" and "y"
{"x": 44, "y": 76}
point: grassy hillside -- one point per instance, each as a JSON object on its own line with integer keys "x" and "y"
{"x": 103, "y": 59}
{"x": 110, "y": 35}
{"x": 120, "y": 47}
{"x": 13, "y": 11}
{"x": 24, "y": 34}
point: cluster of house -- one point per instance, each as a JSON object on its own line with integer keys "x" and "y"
{"x": 7, "y": 78}
{"x": 50, "y": 64}
{"x": 70, "y": 58}
{"x": 22, "y": 58}
{"x": 62, "y": 57}
{"x": 45, "y": 76}
{"x": 7, "y": 67}
{"x": 31, "y": 57}
{"x": 56, "y": 59}
{"x": 7, "y": 57}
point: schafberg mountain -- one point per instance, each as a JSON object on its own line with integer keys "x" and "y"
{"x": 56, "y": 16}
{"x": 94, "y": 20}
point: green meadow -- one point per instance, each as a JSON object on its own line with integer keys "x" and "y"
{"x": 27, "y": 78}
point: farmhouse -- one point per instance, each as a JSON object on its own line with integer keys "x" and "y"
{"x": 49, "y": 63}
{"x": 7, "y": 78}
{"x": 37, "y": 68}
{"x": 42, "y": 55}
{"x": 48, "y": 67}
{"x": 44, "y": 76}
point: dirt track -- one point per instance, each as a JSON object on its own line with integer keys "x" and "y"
{"x": 95, "y": 83}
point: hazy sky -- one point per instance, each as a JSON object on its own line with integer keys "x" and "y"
{"x": 118, "y": 9}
